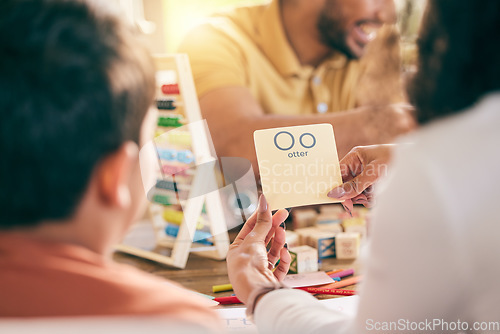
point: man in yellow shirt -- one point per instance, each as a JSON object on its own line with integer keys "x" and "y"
{"x": 295, "y": 62}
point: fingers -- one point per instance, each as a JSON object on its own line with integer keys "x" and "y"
{"x": 360, "y": 168}
{"x": 247, "y": 228}
{"x": 360, "y": 199}
{"x": 278, "y": 242}
{"x": 279, "y": 217}
{"x": 263, "y": 223}
{"x": 282, "y": 268}
{"x": 348, "y": 206}
{"x": 354, "y": 187}
{"x": 351, "y": 165}
{"x": 365, "y": 198}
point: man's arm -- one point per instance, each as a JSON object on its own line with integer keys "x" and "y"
{"x": 233, "y": 115}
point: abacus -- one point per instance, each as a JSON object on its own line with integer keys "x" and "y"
{"x": 186, "y": 212}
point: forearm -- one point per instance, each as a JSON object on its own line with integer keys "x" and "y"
{"x": 295, "y": 311}
{"x": 233, "y": 115}
{"x": 352, "y": 128}
{"x": 349, "y": 126}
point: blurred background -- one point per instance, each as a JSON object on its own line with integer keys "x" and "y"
{"x": 167, "y": 21}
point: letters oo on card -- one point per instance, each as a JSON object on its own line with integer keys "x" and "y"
{"x": 298, "y": 165}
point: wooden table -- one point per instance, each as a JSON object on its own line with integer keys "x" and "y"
{"x": 201, "y": 273}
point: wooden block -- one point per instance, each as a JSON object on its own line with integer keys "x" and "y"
{"x": 326, "y": 247}
{"x": 292, "y": 239}
{"x": 324, "y": 242}
{"x": 303, "y": 218}
{"x": 337, "y": 212}
{"x": 327, "y": 219}
{"x": 347, "y": 245}
{"x": 304, "y": 234}
{"x": 293, "y": 263}
{"x": 360, "y": 211}
{"x": 331, "y": 227}
{"x": 304, "y": 259}
{"x": 331, "y": 210}
{"x": 355, "y": 225}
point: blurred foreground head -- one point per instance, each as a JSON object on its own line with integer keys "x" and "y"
{"x": 75, "y": 85}
{"x": 459, "y": 46}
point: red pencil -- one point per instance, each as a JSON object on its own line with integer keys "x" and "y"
{"x": 228, "y": 300}
{"x": 329, "y": 291}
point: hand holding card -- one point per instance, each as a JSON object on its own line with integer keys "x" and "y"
{"x": 298, "y": 165}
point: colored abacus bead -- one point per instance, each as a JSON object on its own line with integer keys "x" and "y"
{"x": 172, "y": 89}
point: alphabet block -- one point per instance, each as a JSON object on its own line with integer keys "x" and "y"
{"x": 304, "y": 259}
{"x": 347, "y": 245}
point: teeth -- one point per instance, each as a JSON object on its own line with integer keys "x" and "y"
{"x": 369, "y": 30}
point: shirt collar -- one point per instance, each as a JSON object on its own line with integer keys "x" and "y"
{"x": 273, "y": 42}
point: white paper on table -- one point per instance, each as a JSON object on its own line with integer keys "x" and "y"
{"x": 347, "y": 305}
{"x": 236, "y": 321}
{"x": 307, "y": 279}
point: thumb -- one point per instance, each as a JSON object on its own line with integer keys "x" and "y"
{"x": 353, "y": 187}
{"x": 264, "y": 221}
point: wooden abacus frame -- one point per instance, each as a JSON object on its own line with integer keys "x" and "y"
{"x": 182, "y": 245}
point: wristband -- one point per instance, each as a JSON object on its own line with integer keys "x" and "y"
{"x": 259, "y": 291}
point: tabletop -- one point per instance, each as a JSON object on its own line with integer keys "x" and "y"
{"x": 201, "y": 273}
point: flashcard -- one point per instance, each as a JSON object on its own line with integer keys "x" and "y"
{"x": 307, "y": 279}
{"x": 298, "y": 165}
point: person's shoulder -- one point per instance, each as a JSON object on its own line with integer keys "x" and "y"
{"x": 238, "y": 24}
{"x": 456, "y": 153}
{"x": 464, "y": 129}
{"x": 156, "y": 295}
{"x": 246, "y": 18}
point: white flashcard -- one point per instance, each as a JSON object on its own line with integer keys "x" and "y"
{"x": 298, "y": 165}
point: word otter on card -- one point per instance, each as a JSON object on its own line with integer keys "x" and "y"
{"x": 285, "y": 141}
{"x": 298, "y": 165}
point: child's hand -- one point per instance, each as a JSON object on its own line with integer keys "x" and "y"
{"x": 249, "y": 265}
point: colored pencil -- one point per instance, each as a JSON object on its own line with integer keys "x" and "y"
{"x": 334, "y": 271}
{"x": 222, "y": 287}
{"x": 228, "y": 300}
{"x": 342, "y": 283}
{"x": 342, "y": 273}
{"x": 328, "y": 291}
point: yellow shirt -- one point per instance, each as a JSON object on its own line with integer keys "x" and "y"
{"x": 247, "y": 47}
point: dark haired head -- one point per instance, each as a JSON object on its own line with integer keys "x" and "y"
{"x": 459, "y": 62}
{"x": 74, "y": 86}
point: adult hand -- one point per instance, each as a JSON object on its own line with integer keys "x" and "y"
{"x": 249, "y": 265}
{"x": 360, "y": 168}
{"x": 383, "y": 124}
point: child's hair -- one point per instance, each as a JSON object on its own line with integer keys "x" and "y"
{"x": 75, "y": 84}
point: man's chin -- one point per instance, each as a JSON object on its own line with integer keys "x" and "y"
{"x": 355, "y": 54}
{"x": 350, "y": 52}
